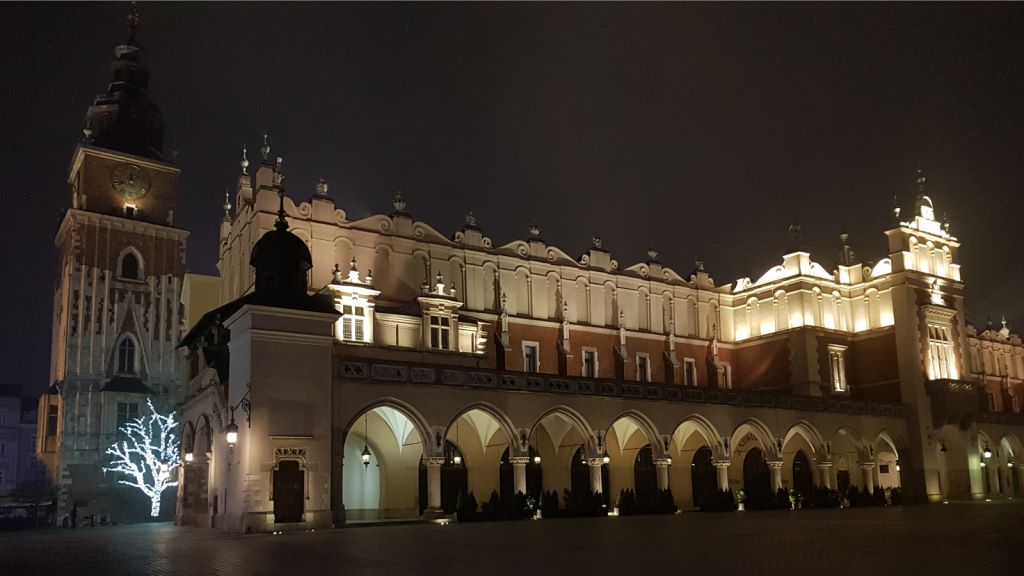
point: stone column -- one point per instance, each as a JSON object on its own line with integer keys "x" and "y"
{"x": 595, "y": 474}
{"x": 825, "y": 472}
{"x": 722, "y": 468}
{"x": 433, "y": 464}
{"x": 867, "y": 471}
{"x": 775, "y": 467}
{"x": 662, "y": 465}
{"x": 519, "y": 467}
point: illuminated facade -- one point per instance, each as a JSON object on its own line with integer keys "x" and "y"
{"x": 453, "y": 364}
{"x": 117, "y": 310}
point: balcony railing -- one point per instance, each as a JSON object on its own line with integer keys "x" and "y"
{"x": 433, "y": 375}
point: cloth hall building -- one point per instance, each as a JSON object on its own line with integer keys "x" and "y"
{"x": 339, "y": 370}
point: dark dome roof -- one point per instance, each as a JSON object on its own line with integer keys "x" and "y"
{"x": 281, "y": 260}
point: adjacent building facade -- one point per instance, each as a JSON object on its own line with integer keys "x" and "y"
{"x": 117, "y": 303}
{"x": 451, "y": 364}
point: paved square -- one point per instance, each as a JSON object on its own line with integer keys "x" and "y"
{"x": 934, "y": 540}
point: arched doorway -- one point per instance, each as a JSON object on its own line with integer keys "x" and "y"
{"x": 803, "y": 477}
{"x": 756, "y": 479}
{"x": 702, "y": 475}
{"x": 645, "y": 477}
{"x": 534, "y": 476}
{"x": 382, "y": 456}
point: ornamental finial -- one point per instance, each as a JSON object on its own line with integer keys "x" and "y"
{"x": 265, "y": 149}
{"x": 282, "y": 222}
{"x": 245, "y": 160}
{"x": 399, "y": 203}
{"x": 470, "y": 219}
{"x": 227, "y": 204}
{"x": 321, "y": 187}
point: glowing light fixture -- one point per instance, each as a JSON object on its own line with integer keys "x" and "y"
{"x": 189, "y": 456}
{"x": 987, "y": 453}
{"x": 536, "y": 459}
{"x": 457, "y": 457}
{"x": 231, "y": 432}
{"x": 983, "y": 464}
{"x": 606, "y": 458}
{"x": 366, "y": 447}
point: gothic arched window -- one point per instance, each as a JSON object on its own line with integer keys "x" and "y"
{"x": 129, "y": 266}
{"x": 126, "y": 356}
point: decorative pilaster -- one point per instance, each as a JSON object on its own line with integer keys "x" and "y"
{"x": 595, "y": 474}
{"x": 775, "y": 467}
{"x": 825, "y": 472}
{"x": 662, "y": 464}
{"x": 867, "y": 470}
{"x": 722, "y": 468}
{"x": 519, "y": 467}
{"x": 433, "y": 464}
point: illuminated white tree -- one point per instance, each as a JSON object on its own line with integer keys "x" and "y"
{"x": 148, "y": 455}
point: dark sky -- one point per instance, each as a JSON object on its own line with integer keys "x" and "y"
{"x": 704, "y": 130}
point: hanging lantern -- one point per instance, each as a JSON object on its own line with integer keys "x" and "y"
{"x": 366, "y": 456}
{"x": 231, "y": 433}
{"x": 606, "y": 458}
{"x": 536, "y": 459}
{"x": 189, "y": 456}
{"x": 987, "y": 452}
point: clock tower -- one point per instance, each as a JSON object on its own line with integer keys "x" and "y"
{"x": 117, "y": 301}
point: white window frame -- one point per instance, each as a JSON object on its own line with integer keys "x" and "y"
{"x": 726, "y": 375}
{"x": 837, "y": 368}
{"x": 451, "y": 328}
{"x": 941, "y": 359}
{"x": 689, "y": 369}
{"x": 647, "y": 363}
{"x": 349, "y": 320}
{"x": 583, "y": 367}
{"x": 536, "y": 348}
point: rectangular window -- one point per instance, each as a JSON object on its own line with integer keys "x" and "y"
{"x": 883, "y": 468}
{"x": 837, "y": 367}
{"x": 440, "y": 332}
{"x": 126, "y": 412}
{"x": 991, "y": 401}
{"x": 51, "y": 420}
{"x": 643, "y": 367}
{"x": 941, "y": 362}
{"x": 531, "y": 356}
{"x": 726, "y": 376}
{"x": 353, "y": 323}
{"x": 589, "y": 363}
{"x": 690, "y": 372}
{"x": 3, "y": 449}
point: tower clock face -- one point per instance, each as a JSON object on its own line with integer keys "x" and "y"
{"x": 130, "y": 181}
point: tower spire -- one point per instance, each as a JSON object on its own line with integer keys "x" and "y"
{"x": 133, "y": 24}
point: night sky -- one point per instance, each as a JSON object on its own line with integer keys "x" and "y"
{"x": 703, "y": 130}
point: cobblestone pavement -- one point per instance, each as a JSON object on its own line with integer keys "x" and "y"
{"x": 981, "y": 538}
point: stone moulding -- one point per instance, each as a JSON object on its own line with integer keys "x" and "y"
{"x": 425, "y": 375}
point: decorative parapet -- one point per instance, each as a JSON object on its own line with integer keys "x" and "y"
{"x": 955, "y": 402}
{"x": 443, "y": 375}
